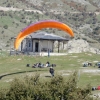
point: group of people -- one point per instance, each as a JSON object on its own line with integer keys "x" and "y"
{"x": 51, "y": 70}
{"x": 96, "y": 88}
{"x": 86, "y": 64}
{"x": 40, "y": 65}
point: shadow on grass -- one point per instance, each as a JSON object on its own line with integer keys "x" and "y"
{"x": 18, "y": 73}
{"x": 48, "y": 76}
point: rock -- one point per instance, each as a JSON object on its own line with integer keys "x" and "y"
{"x": 80, "y": 45}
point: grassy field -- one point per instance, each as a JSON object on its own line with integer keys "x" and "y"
{"x": 15, "y": 67}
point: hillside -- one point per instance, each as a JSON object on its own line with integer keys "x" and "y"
{"x": 83, "y": 16}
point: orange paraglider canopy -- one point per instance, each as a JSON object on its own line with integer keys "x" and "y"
{"x": 40, "y": 25}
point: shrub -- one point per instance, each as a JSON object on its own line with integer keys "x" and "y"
{"x": 5, "y": 26}
{"x": 31, "y": 88}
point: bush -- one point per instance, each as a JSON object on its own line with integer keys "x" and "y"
{"x": 31, "y": 88}
{"x": 5, "y": 26}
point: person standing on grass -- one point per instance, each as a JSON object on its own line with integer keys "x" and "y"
{"x": 51, "y": 70}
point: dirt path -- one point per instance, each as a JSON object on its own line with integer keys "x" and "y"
{"x": 17, "y": 9}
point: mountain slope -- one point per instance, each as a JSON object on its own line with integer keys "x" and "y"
{"x": 81, "y": 15}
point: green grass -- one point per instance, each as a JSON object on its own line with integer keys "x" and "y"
{"x": 15, "y": 66}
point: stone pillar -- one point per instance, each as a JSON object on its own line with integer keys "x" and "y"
{"x": 58, "y": 45}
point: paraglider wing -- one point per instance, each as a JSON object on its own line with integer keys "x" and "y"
{"x": 40, "y": 25}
